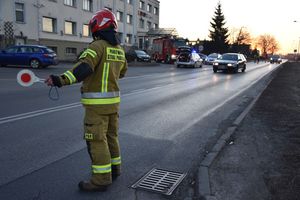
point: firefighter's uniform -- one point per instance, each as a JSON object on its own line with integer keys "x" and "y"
{"x": 100, "y": 95}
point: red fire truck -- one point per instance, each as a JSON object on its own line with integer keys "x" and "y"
{"x": 165, "y": 49}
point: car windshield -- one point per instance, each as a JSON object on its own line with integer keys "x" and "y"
{"x": 229, "y": 57}
{"x": 214, "y": 55}
{"x": 275, "y": 56}
{"x": 140, "y": 52}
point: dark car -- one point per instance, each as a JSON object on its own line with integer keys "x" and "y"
{"x": 275, "y": 59}
{"x": 230, "y": 62}
{"x": 189, "y": 59}
{"x": 211, "y": 58}
{"x": 35, "y": 56}
{"x": 138, "y": 55}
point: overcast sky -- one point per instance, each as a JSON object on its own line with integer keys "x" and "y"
{"x": 192, "y": 18}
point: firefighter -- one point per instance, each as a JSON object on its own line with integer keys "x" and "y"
{"x": 99, "y": 67}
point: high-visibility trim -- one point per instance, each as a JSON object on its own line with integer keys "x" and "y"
{"x": 88, "y": 52}
{"x": 105, "y": 77}
{"x": 116, "y": 161}
{"x": 70, "y": 76}
{"x": 97, "y": 95}
{"x": 101, "y": 169}
{"x": 88, "y": 136}
{"x": 100, "y": 101}
{"x": 115, "y": 54}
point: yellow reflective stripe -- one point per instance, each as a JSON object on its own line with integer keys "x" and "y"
{"x": 116, "y": 161}
{"x": 115, "y": 54}
{"x": 70, "y": 76}
{"x": 88, "y": 52}
{"x": 100, "y": 169}
{"x": 100, "y": 101}
{"x": 105, "y": 77}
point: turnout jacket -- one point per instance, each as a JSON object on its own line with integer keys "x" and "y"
{"x": 99, "y": 68}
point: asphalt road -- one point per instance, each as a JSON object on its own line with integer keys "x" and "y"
{"x": 168, "y": 119}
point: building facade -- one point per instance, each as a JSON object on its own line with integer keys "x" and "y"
{"x": 63, "y": 24}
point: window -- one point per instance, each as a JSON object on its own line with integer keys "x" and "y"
{"x": 148, "y": 25}
{"x": 70, "y": 28}
{"x": 120, "y": 16}
{"x": 53, "y": 48}
{"x": 129, "y": 19}
{"x": 70, "y": 2}
{"x": 20, "y": 12}
{"x": 87, "y": 5}
{"x": 155, "y": 11}
{"x": 71, "y": 51}
{"x": 129, "y": 1}
{"x": 12, "y": 50}
{"x": 149, "y": 8}
{"x": 128, "y": 38}
{"x": 120, "y": 35}
{"x": 155, "y": 26}
{"x": 49, "y": 24}
{"x": 142, "y": 23}
{"x": 86, "y": 30}
{"x": 142, "y": 5}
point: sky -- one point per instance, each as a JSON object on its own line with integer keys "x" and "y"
{"x": 192, "y": 18}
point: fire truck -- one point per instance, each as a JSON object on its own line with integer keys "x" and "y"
{"x": 165, "y": 49}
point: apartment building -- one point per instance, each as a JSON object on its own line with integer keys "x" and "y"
{"x": 63, "y": 24}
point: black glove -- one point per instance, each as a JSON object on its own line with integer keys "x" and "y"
{"x": 56, "y": 80}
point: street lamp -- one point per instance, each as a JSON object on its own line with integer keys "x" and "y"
{"x": 295, "y": 21}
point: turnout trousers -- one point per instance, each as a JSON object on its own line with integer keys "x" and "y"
{"x": 101, "y": 135}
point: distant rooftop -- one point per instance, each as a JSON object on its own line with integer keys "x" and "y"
{"x": 163, "y": 32}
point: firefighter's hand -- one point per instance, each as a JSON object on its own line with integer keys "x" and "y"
{"x": 53, "y": 80}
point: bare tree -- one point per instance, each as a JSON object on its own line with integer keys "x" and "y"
{"x": 268, "y": 44}
{"x": 240, "y": 36}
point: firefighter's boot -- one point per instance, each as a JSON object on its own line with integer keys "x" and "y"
{"x": 88, "y": 186}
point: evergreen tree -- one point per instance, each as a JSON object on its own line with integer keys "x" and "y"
{"x": 219, "y": 34}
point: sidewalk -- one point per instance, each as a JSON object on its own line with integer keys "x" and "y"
{"x": 262, "y": 159}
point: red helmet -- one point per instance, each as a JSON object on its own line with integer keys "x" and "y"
{"x": 103, "y": 19}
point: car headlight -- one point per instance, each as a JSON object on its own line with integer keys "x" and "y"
{"x": 216, "y": 64}
{"x": 230, "y": 65}
{"x": 173, "y": 56}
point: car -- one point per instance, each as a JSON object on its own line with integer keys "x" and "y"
{"x": 138, "y": 55}
{"x": 35, "y": 56}
{"x": 189, "y": 59}
{"x": 230, "y": 62}
{"x": 202, "y": 56}
{"x": 211, "y": 58}
{"x": 275, "y": 59}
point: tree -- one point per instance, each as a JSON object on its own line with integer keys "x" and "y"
{"x": 243, "y": 37}
{"x": 268, "y": 44}
{"x": 219, "y": 34}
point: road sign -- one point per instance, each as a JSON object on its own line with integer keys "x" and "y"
{"x": 26, "y": 78}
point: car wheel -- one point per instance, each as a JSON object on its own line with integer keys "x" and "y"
{"x": 178, "y": 66}
{"x": 236, "y": 70}
{"x": 215, "y": 70}
{"x": 35, "y": 63}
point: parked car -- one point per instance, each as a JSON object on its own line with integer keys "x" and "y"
{"x": 35, "y": 56}
{"x": 189, "y": 59}
{"x": 230, "y": 62}
{"x": 138, "y": 55}
{"x": 275, "y": 59}
{"x": 211, "y": 58}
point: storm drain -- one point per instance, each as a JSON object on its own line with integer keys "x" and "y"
{"x": 160, "y": 181}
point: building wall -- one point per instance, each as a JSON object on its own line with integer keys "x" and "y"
{"x": 31, "y": 31}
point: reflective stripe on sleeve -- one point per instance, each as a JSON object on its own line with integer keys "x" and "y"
{"x": 100, "y": 101}
{"x": 116, "y": 161}
{"x": 97, "y": 95}
{"x": 70, "y": 76}
{"x": 101, "y": 169}
{"x": 88, "y": 52}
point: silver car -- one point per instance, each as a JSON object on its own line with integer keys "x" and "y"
{"x": 189, "y": 59}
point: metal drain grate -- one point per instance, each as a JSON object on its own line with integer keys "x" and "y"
{"x": 160, "y": 181}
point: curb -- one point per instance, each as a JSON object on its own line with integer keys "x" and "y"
{"x": 203, "y": 180}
